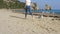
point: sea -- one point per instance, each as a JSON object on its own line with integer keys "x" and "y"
{"x": 45, "y": 11}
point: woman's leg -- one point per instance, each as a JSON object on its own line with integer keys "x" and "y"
{"x": 26, "y": 13}
{"x": 30, "y": 11}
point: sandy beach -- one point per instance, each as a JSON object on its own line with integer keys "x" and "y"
{"x": 15, "y": 23}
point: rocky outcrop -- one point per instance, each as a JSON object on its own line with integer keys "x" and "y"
{"x": 34, "y": 6}
{"x": 47, "y": 7}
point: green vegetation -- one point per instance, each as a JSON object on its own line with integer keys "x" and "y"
{"x": 1, "y": 3}
{"x": 13, "y": 4}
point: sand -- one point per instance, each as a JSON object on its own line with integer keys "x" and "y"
{"x": 15, "y": 23}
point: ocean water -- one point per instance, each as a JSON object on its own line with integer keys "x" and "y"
{"x": 45, "y": 11}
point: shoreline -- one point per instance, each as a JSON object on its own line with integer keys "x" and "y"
{"x": 44, "y": 14}
{"x": 37, "y": 14}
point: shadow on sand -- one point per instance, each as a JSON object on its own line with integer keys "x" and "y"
{"x": 17, "y": 17}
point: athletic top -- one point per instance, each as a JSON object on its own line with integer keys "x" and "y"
{"x": 28, "y": 2}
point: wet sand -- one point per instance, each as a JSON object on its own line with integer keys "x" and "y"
{"x": 15, "y": 23}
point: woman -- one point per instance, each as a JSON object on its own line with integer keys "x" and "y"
{"x": 28, "y": 8}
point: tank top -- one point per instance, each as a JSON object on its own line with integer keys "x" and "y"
{"x": 28, "y": 2}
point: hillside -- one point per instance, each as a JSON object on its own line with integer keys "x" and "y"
{"x": 14, "y": 4}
